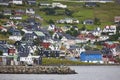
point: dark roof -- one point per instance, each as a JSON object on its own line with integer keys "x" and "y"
{"x": 28, "y": 43}
{"x": 68, "y": 36}
{"x": 21, "y": 54}
{"x": 73, "y": 47}
{"x": 118, "y": 48}
{"x": 19, "y": 10}
{"x": 28, "y": 35}
{"x": 7, "y": 11}
{"x": 74, "y": 26}
{"x": 1, "y": 1}
{"x": 29, "y": 20}
{"x": 91, "y": 4}
{"x": 15, "y": 32}
{"x": 31, "y": 0}
{"x": 17, "y": 43}
{"x": 4, "y": 46}
{"x": 3, "y": 41}
{"x": 24, "y": 52}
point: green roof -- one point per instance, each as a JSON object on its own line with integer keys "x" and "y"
{"x": 39, "y": 33}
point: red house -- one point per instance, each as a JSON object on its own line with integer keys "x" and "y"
{"x": 45, "y": 44}
{"x": 110, "y": 44}
{"x": 19, "y": 12}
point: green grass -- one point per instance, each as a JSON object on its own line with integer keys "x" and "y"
{"x": 54, "y": 61}
{"x": 106, "y": 13}
{"x": 84, "y": 14}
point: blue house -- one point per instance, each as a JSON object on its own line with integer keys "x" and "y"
{"x": 91, "y": 56}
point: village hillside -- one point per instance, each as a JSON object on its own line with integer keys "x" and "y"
{"x": 59, "y": 32}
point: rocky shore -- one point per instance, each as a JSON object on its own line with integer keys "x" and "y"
{"x": 36, "y": 70}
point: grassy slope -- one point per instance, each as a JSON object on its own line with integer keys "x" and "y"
{"x": 105, "y": 13}
{"x": 54, "y": 61}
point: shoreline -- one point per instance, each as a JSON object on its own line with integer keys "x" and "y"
{"x": 86, "y": 65}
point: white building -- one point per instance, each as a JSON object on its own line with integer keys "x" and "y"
{"x": 30, "y": 11}
{"x": 59, "y": 5}
{"x": 103, "y": 38}
{"x": 29, "y": 59}
{"x": 15, "y": 38}
{"x": 51, "y": 27}
{"x": 18, "y": 2}
{"x": 68, "y": 21}
{"x": 111, "y": 29}
{"x": 16, "y": 17}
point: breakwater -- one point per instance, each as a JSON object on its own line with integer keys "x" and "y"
{"x": 36, "y": 70}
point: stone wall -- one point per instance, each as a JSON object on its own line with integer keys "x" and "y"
{"x": 36, "y": 70}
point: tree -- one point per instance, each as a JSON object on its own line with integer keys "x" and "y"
{"x": 68, "y": 12}
{"x": 97, "y": 21}
{"x": 83, "y": 28}
{"x": 75, "y": 33}
{"x": 2, "y": 16}
{"x": 36, "y": 53}
{"x": 1, "y": 53}
{"x": 37, "y": 41}
{"x": 88, "y": 48}
{"x": 51, "y": 21}
{"x": 68, "y": 32}
{"x": 72, "y": 32}
{"x": 50, "y": 11}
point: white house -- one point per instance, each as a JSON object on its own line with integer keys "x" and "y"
{"x": 28, "y": 59}
{"x": 96, "y": 33}
{"x": 18, "y": 2}
{"x": 30, "y": 11}
{"x": 58, "y": 5}
{"x": 45, "y": 4}
{"x": 81, "y": 40}
{"x": 15, "y": 38}
{"x": 51, "y": 27}
{"x": 26, "y": 31}
{"x": 111, "y": 29}
{"x": 68, "y": 20}
{"x": 16, "y": 17}
{"x": 103, "y": 38}
{"x": 2, "y": 29}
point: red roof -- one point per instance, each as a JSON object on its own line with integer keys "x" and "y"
{"x": 45, "y": 44}
{"x": 81, "y": 36}
{"x": 1, "y": 27}
{"x": 113, "y": 45}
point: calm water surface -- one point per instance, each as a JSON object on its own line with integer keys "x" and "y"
{"x": 84, "y": 73}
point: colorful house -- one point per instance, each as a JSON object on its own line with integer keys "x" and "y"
{"x": 91, "y": 56}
